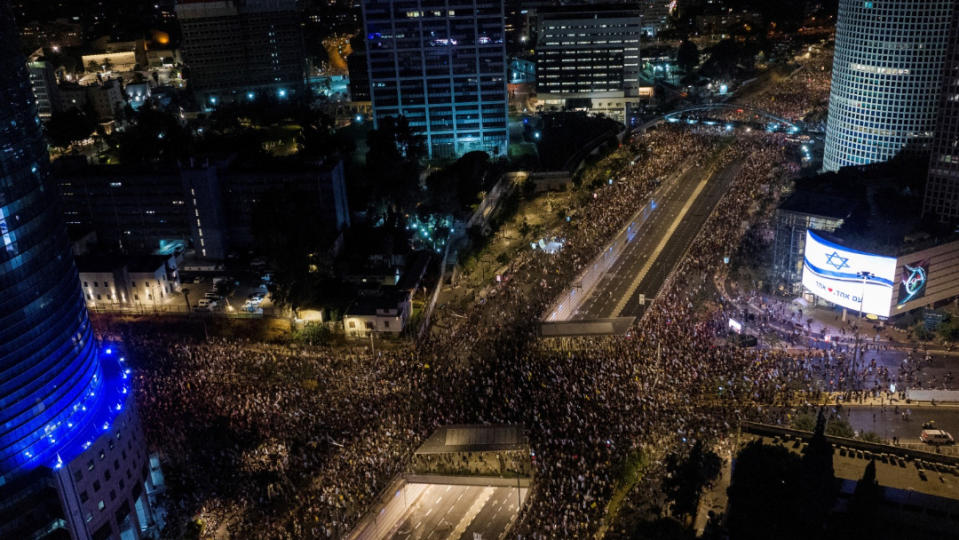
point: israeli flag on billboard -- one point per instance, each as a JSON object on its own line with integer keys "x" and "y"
{"x": 847, "y": 277}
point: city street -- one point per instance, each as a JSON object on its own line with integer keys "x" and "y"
{"x": 659, "y": 245}
{"x": 459, "y": 512}
{"x": 888, "y": 423}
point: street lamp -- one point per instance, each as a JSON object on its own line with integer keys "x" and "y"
{"x": 864, "y": 275}
{"x": 862, "y": 295}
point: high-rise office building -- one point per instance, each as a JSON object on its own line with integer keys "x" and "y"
{"x": 942, "y": 186}
{"x": 442, "y": 65}
{"x": 45, "y": 87}
{"x": 242, "y": 49}
{"x": 73, "y": 461}
{"x": 655, "y": 15}
{"x": 358, "y": 69}
{"x": 587, "y": 56}
{"x": 590, "y": 49}
{"x": 886, "y": 79}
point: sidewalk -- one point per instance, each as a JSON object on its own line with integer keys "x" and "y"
{"x": 827, "y": 324}
{"x": 884, "y": 400}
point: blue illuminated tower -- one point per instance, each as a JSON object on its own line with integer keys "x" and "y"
{"x": 66, "y": 420}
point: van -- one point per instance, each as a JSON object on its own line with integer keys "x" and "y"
{"x": 936, "y": 436}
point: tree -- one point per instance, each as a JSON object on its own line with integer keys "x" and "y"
{"x": 470, "y": 171}
{"x": 153, "y": 136}
{"x": 688, "y": 55}
{"x": 688, "y": 476}
{"x": 318, "y": 137}
{"x": 392, "y": 163}
{"x": 286, "y": 233}
{"x": 764, "y": 495}
{"x": 67, "y": 127}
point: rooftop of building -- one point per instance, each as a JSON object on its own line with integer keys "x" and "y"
{"x": 232, "y": 162}
{"x": 99, "y": 263}
{"x": 368, "y": 302}
{"x": 108, "y": 262}
{"x": 588, "y": 10}
{"x": 474, "y": 438}
{"x": 921, "y": 478}
{"x": 880, "y": 205}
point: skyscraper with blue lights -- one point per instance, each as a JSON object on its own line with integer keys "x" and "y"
{"x": 73, "y": 461}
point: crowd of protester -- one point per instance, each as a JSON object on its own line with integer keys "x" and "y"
{"x": 275, "y": 441}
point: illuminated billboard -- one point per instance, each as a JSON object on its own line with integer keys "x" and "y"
{"x": 912, "y": 285}
{"x": 847, "y": 277}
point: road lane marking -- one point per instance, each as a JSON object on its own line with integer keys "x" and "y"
{"x": 659, "y": 248}
{"x": 471, "y": 514}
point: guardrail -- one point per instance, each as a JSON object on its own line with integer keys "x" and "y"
{"x": 570, "y": 300}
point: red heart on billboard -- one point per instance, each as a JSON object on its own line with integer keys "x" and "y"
{"x": 830, "y": 289}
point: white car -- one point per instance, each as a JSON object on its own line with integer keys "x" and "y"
{"x": 936, "y": 437}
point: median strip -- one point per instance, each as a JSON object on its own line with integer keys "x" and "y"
{"x": 662, "y": 245}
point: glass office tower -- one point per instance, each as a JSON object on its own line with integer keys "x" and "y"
{"x": 942, "y": 185}
{"x": 886, "y": 78}
{"x": 442, "y": 65}
{"x": 65, "y": 415}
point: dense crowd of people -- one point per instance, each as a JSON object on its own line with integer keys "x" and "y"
{"x": 804, "y": 94}
{"x": 275, "y": 441}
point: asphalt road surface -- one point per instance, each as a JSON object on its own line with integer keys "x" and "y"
{"x": 646, "y": 258}
{"x": 888, "y": 424}
{"x": 459, "y": 512}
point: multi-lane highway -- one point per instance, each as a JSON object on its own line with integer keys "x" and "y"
{"x": 446, "y": 511}
{"x": 659, "y": 245}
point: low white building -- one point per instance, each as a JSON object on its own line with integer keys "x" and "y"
{"x": 385, "y": 312}
{"x": 115, "y": 282}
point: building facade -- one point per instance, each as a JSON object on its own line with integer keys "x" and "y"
{"x": 588, "y": 51}
{"x": 242, "y": 49}
{"x": 655, "y": 15}
{"x": 45, "y": 89}
{"x": 206, "y": 204}
{"x": 942, "y": 186}
{"x": 587, "y": 58}
{"x": 442, "y": 65}
{"x": 66, "y": 404}
{"x": 116, "y": 282}
{"x": 789, "y": 242}
{"x": 886, "y": 79}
